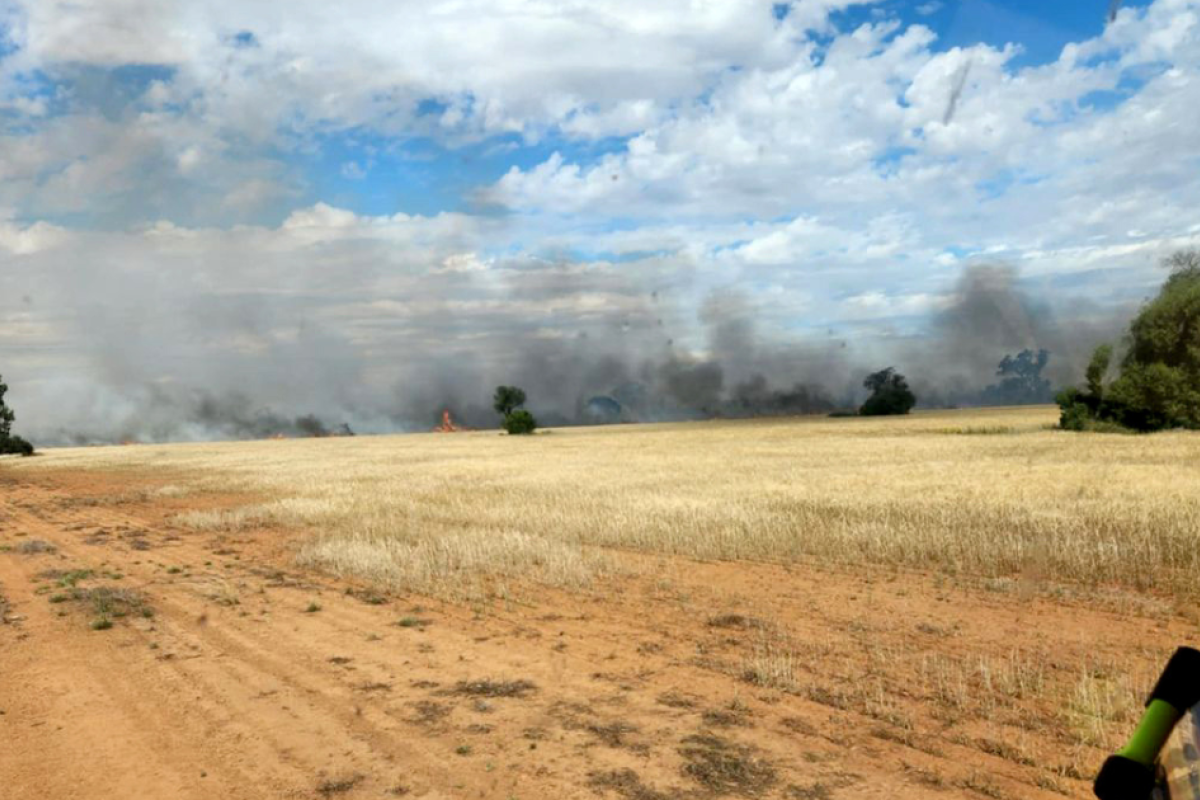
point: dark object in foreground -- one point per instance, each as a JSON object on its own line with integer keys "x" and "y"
{"x": 1133, "y": 773}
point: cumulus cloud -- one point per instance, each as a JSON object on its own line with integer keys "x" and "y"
{"x": 498, "y": 66}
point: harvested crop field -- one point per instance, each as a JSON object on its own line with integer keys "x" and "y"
{"x": 957, "y": 604}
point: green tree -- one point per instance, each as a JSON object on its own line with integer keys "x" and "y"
{"x": 519, "y": 422}
{"x": 1096, "y": 370}
{"x": 889, "y": 394}
{"x": 1159, "y": 382}
{"x": 8, "y": 442}
{"x": 507, "y": 399}
{"x": 1159, "y": 385}
{"x": 6, "y": 414}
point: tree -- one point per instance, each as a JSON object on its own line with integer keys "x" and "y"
{"x": 1021, "y": 380}
{"x": 519, "y": 422}
{"x": 1159, "y": 384}
{"x": 1096, "y": 370}
{"x": 889, "y": 394}
{"x": 6, "y": 414}
{"x": 8, "y": 442}
{"x": 507, "y": 399}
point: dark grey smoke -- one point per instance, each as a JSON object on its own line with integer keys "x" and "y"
{"x": 991, "y": 315}
{"x": 693, "y": 386}
{"x": 755, "y": 397}
{"x": 167, "y": 415}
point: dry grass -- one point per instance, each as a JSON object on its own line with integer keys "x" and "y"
{"x": 992, "y": 499}
{"x": 772, "y": 663}
{"x": 466, "y": 514}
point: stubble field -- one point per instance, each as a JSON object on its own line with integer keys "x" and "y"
{"x": 966, "y": 603}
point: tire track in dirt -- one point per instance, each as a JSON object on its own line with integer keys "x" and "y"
{"x": 213, "y": 674}
{"x": 236, "y": 663}
{"x": 76, "y": 722}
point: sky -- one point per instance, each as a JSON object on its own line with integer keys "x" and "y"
{"x": 367, "y": 210}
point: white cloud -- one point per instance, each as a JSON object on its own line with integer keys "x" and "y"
{"x": 599, "y": 68}
{"x": 856, "y": 153}
{"x": 22, "y": 240}
{"x": 880, "y": 305}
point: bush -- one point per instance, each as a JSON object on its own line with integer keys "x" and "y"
{"x": 520, "y": 422}
{"x": 15, "y": 444}
{"x": 1075, "y": 414}
{"x": 1080, "y": 412}
{"x": 1151, "y": 397}
{"x": 889, "y": 394}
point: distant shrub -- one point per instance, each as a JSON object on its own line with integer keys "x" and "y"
{"x": 15, "y": 444}
{"x": 889, "y": 394}
{"x": 1075, "y": 413}
{"x": 520, "y": 422}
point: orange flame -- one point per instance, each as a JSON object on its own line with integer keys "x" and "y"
{"x": 447, "y": 425}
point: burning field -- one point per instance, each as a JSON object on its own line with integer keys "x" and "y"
{"x": 959, "y": 604}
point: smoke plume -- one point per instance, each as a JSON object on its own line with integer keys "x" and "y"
{"x": 285, "y": 333}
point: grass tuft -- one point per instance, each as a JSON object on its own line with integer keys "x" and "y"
{"x": 722, "y": 767}
{"x": 489, "y": 688}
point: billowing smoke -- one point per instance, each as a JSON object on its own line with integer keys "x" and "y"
{"x": 159, "y": 414}
{"x": 990, "y": 315}
{"x": 268, "y": 332}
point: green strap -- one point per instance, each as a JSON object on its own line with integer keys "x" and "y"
{"x": 1152, "y": 732}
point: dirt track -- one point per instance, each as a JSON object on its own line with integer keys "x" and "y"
{"x": 234, "y": 689}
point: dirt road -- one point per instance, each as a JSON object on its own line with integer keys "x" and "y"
{"x": 227, "y": 673}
